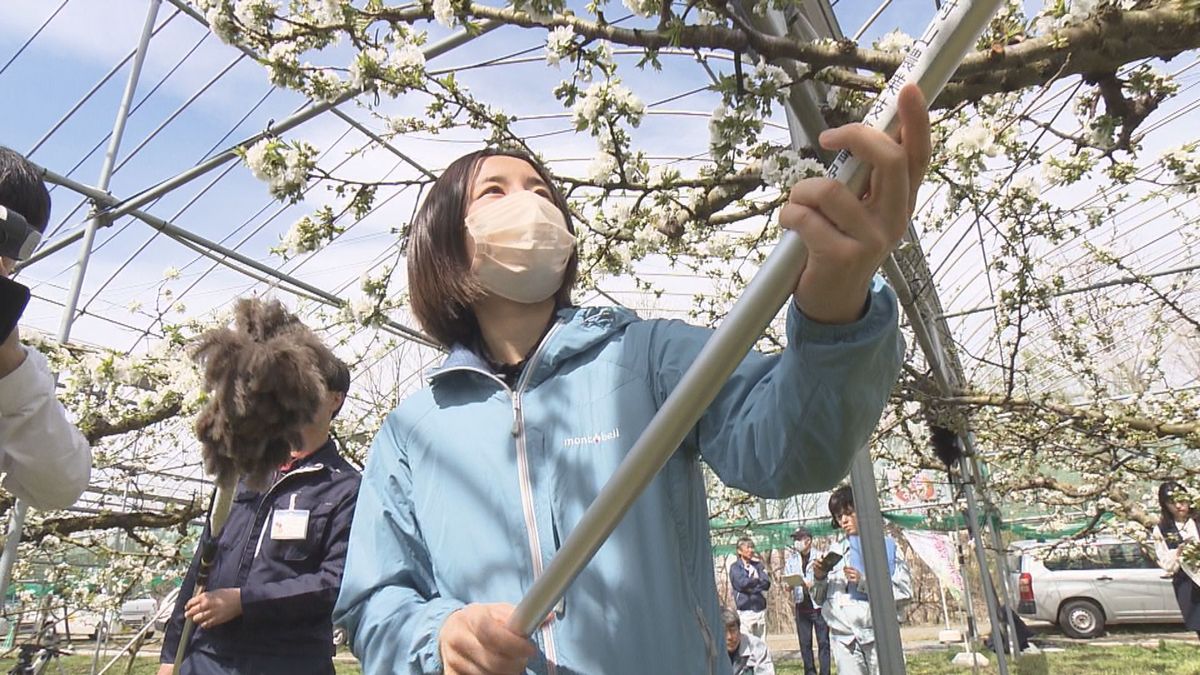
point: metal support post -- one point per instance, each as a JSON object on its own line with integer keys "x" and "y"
{"x": 889, "y": 649}
{"x": 993, "y": 525}
{"x": 9, "y": 557}
{"x": 985, "y": 576}
{"x": 146, "y": 196}
{"x": 189, "y": 238}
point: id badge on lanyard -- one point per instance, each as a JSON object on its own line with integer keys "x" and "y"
{"x": 290, "y": 524}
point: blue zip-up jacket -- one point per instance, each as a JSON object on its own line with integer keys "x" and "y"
{"x": 288, "y": 586}
{"x": 749, "y": 593}
{"x": 470, "y": 486}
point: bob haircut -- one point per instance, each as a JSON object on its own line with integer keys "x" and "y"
{"x": 841, "y": 502}
{"x": 1169, "y": 493}
{"x": 440, "y": 282}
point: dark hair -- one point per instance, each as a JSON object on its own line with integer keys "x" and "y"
{"x": 841, "y": 502}
{"x": 440, "y": 283}
{"x": 801, "y": 532}
{"x": 730, "y": 618}
{"x": 1169, "y": 493}
{"x": 337, "y": 379}
{"x": 22, "y": 189}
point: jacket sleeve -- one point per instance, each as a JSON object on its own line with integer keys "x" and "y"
{"x": 305, "y": 595}
{"x": 790, "y": 422}
{"x": 760, "y": 660}
{"x": 47, "y": 459}
{"x": 174, "y": 629}
{"x": 1168, "y": 558}
{"x": 390, "y": 603}
{"x": 901, "y": 580}
{"x": 741, "y": 582}
{"x": 764, "y": 579}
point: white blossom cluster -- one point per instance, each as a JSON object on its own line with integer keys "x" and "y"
{"x": 326, "y": 12}
{"x": 1058, "y": 15}
{"x": 602, "y": 166}
{"x": 643, "y": 8}
{"x": 785, "y": 168}
{"x": 560, "y": 43}
{"x": 607, "y": 99}
{"x": 1184, "y": 163}
{"x": 324, "y": 83}
{"x": 894, "y": 41}
{"x": 255, "y": 15}
{"x": 1067, "y": 169}
{"x": 284, "y": 166}
{"x": 973, "y": 139}
{"x": 377, "y": 68}
{"x": 1025, "y": 189}
{"x": 443, "y": 13}
{"x": 707, "y": 17}
{"x": 308, "y": 233}
{"x": 367, "y": 67}
{"x": 219, "y": 16}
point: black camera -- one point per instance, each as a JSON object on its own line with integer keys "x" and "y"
{"x": 17, "y": 241}
{"x": 17, "y": 237}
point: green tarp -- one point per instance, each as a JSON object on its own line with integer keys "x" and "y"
{"x": 771, "y": 536}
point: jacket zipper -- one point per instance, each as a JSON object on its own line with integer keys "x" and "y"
{"x": 526, "y": 486}
{"x": 535, "y": 547}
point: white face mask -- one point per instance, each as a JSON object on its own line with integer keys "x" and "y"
{"x": 522, "y": 246}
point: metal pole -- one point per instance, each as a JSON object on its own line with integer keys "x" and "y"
{"x": 985, "y": 577}
{"x": 930, "y": 340}
{"x": 146, "y": 196}
{"x": 993, "y": 525}
{"x": 199, "y": 18}
{"x": 970, "y": 637}
{"x": 106, "y": 171}
{"x": 945, "y": 609}
{"x": 889, "y": 649}
{"x": 178, "y": 233}
{"x": 9, "y": 557}
{"x": 950, "y": 36}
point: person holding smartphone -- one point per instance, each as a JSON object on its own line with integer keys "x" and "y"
{"x": 841, "y": 588}
{"x": 46, "y": 461}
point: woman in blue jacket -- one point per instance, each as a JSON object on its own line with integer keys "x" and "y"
{"x": 473, "y": 482}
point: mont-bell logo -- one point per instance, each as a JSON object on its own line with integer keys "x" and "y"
{"x": 594, "y": 439}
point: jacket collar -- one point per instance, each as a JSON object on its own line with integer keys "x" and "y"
{"x": 327, "y": 455}
{"x": 325, "y": 458}
{"x": 577, "y": 329}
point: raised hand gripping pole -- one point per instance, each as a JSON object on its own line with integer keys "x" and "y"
{"x": 929, "y": 64}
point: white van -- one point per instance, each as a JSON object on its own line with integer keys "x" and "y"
{"x": 1086, "y": 585}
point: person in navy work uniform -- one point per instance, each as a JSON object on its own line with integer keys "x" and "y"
{"x": 269, "y": 600}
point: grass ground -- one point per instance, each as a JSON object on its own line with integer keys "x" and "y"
{"x": 1166, "y": 659}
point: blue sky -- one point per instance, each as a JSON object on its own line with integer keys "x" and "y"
{"x": 87, "y": 39}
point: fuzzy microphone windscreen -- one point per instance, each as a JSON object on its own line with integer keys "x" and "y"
{"x": 266, "y": 377}
{"x": 945, "y": 444}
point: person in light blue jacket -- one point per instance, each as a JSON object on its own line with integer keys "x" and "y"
{"x": 472, "y": 483}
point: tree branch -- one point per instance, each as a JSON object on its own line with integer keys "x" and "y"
{"x": 96, "y": 429}
{"x": 1101, "y": 44}
{"x": 1160, "y": 429}
{"x": 127, "y": 521}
